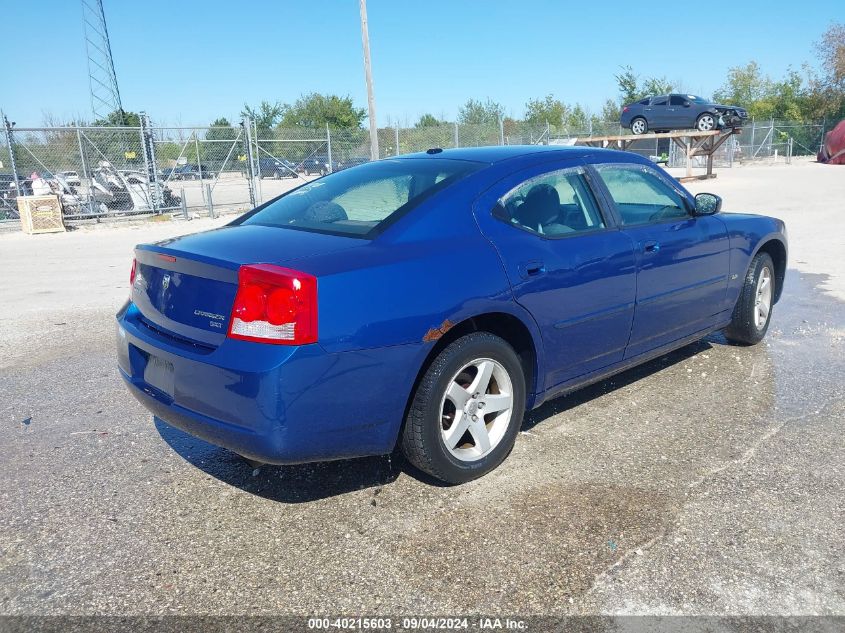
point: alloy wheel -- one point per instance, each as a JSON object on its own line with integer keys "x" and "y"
{"x": 706, "y": 123}
{"x": 476, "y": 409}
{"x": 763, "y": 298}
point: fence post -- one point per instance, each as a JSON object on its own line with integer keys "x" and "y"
{"x": 457, "y": 143}
{"x": 824, "y": 126}
{"x": 81, "y": 153}
{"x": 329, "y": 147}
{"x": 753, "y": 134}
{"x": 208, "y": 200}
{"x": 199, "y": 164}
{"x": 247, "y": 141}
{"x": 396, "y": 133}
{"x": 771, "y": 134}
{"x": 183, "y": 202}
{"x": 257, "y": 168}
{"x": 84, "y": 164}
{"x": 148, "y": 147}
{"x": 10, "y": 143}
{"x": 501, "y": 131}
{"x": 789, "y": 151}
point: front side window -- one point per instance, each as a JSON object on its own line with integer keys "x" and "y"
{"x": 360, "y": 200}
{"x": 554, "y": 204}
{"x": 676, "y": 100}
{"x": 641, "y": 196}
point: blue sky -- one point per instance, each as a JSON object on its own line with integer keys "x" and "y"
{"x": 186, "y": 62}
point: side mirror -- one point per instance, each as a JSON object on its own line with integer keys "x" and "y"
{"x": 687, "y": 104}
{"x": 707, "y": 204}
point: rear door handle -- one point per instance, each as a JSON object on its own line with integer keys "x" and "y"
{"x": 531, "y": 269}
{"x": 651, "y": 247}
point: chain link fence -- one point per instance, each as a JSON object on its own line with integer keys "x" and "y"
{"x": 115, "y": 172}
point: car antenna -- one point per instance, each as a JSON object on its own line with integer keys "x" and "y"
{"x": 434, "y": 150}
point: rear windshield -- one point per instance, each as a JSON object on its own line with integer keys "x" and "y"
{"x": 360, "y": 200}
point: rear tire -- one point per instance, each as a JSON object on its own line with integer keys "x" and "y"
{"x": 753, "y": 310}
{"x": 467, "y": 409}
{"x": 639, "y": 126}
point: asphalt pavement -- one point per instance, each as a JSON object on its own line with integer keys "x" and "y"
{"x": 706, "y": 482}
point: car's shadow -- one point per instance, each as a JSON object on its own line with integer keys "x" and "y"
{"x": 608, "y": 385}
{"x": 310, "y": 482}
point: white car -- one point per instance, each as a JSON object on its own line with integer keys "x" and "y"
{"x": 72, "y": 178}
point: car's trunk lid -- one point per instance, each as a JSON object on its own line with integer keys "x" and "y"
{"x": 185, "y": 287}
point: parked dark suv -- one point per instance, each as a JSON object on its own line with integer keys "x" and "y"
{"x": 192, "y": 172}
{"x": 680, "y": 112}
{"x": 272, "y": 168}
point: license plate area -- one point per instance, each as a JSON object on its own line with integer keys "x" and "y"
{"x": 158, "y": 374}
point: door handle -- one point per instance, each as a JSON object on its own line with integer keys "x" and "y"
{"x": 531, "y": 269}
{"x": 651, "y": 247}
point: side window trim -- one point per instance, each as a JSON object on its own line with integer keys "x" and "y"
{"x": 602, "y": 196}
{"x": 581, "y": 170}
{"x": 645, "y": 169}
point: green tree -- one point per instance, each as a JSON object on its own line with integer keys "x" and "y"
{"x": 315, "y": 110}
{"x": 577, "y": 119}
{"x": 216, "y": 151}
{"x": 830, "y": 50}
{"x": 266, "y": 115}
{"x": 428, "y": 120}
{"x": 632, "y": 90}
{"x": 610, "y": 111}
{"x": 475, "y": 112}
{"x": 548, "y": 110}
{"x": 628, "y": 83}
{"x": 220, "y": 128}
{"x": 826, "y": 93}
{"x": 120, "y": 117}
{"x": 748, "y": 87}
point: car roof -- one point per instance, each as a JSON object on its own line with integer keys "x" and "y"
{"x": 497, "y": 153}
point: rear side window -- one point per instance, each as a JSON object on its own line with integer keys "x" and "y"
{"x": 360, "y": 200}
{"x": 555, "y": 204}
{"x": 641, "y": 197}
{"x": 659, "y": 101}
{"x": 644, "y": 102}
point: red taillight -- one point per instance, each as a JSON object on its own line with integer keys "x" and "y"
{"x": 625, "y": 109}
{"x": 132, "y": 277}
{"x": 274, "y": 305}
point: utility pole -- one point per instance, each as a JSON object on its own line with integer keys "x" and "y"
{"x": 368, "y": 73}
{"x": 7, "y": 128}
{"x": 102, "y": 79}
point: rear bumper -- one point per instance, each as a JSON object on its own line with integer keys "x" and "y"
{"x": 272, "y": 403}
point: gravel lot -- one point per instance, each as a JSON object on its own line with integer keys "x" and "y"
{"x": 709, "y": 481}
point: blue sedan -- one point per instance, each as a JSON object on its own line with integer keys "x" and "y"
{"x": 425, "y": 302}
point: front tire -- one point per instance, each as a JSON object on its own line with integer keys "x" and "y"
{"x": 705, "y": 123}
{"x": 466, "y": 410}
{"x": 753, "y": 310}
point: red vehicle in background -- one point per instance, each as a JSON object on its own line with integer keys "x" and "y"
{"x": 833, "y": 149}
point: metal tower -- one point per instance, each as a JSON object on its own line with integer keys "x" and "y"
{"x": 105, "y": 95}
